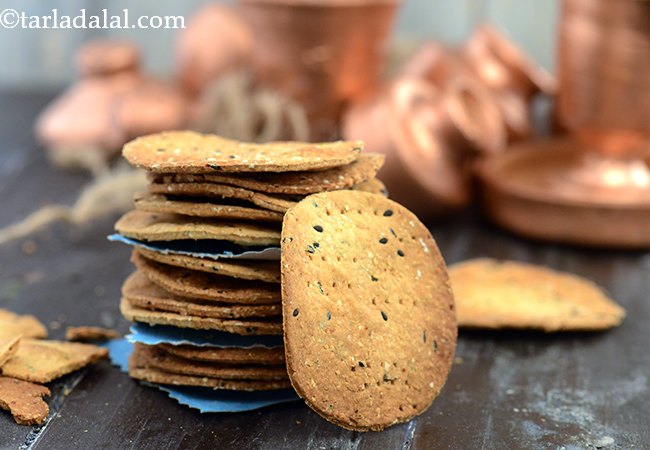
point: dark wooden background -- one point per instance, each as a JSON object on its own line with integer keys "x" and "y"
{"x": 507, "y": 390}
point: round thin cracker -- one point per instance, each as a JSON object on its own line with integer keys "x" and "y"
{"x": 508, "y": 294}
{"x": 268, "y": 271}
{"x": 243, "y": 327}
{"x": 206, "y": 209}
{"x": 144, "y": 294}
{"x": 369, "y": 321}
{"x": 161, "y": 360}
{"x": 212, "y": 190}
{"x": 147, "y": 226}
{"x": 192, "y": 152}
{"x": 140, "y": 370}
{"x": 363, "y": 169}
{"x": 200, "y": 285}
{"x": 232, "y": 355}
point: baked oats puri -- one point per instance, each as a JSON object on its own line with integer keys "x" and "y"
{"x": 191, "y": 152}
{"x": 509, "y": 294}
{"x": 296, "y": 183}
{"x": 369, "y": 320}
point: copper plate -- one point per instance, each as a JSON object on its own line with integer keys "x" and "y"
{"x": 539, "y": 189}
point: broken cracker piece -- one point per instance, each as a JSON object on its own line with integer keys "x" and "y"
{"x": 24, "y": 400}
{"x": 44, "y": 361}
{"x": 12, "y": 325}
{"x": 8, "y": 348}
{"x": 90, "y": 334}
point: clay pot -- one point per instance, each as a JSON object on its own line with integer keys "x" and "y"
{"x": 322, "y": 54}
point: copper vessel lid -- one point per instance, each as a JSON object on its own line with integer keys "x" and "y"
{"x": 555, "y": 190}
{"x": 107, "y": 57}
{"x": 502, "y": 65}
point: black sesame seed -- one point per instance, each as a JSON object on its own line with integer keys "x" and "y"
{"x": 424, "y": 336}
{"x": 392, "y": 232}
{"x": 320, "y": 287}
{"x": 232, "y": 156}
{"x": 311, "y": 249}
{"x": 315, "y": 204}
{"x": 373, "y": 278}
{"x": 287, "y": 239}
{"x": 361, "y": 364}
{"x": 295, "y": 312}
{"x": 329, "y": 315}
{"x": 388, "y": 213}
{"x": 399, "y": 252}
{"x": 214, "y": 166}
{"x": 316, "y": 245}
{"x": 435, "y": 346}
{"x": 318, "y": 228}
{"x": 383, "y": 240}
{"x": 384, "y": 316}
{"x": 161, "y": 150}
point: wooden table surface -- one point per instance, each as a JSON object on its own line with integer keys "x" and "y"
{"x": 507, "y": 390}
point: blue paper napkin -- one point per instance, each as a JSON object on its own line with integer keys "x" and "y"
{"x": 205, "y": 400}
{"x": 211, "y": 249}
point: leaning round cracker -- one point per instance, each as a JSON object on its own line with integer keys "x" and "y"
{"x": 206, "y": 209}
{"x": 268, "y": 271}
{"x": 146, "y": 226}
{"x": 191, "y": 152}
{"x": 509, "y": 294}
{"x": 363, "y": 169}
{"x": 369, "y": 320}
{"x": 144, "y": 294}
{"x": 228, "y": 355}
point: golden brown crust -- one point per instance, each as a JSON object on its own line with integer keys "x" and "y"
{"x": 191, "y": 152}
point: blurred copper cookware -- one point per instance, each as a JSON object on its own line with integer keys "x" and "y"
{"x": 111, "y": 103}
{"x": 560, "y": 191}
{"x": 509, "y": 73}
{"x": 217, "y": 40}
{"x": 320, "y": 53}
{"x": 445, "y": 70}
{"x": 427, "y": 135}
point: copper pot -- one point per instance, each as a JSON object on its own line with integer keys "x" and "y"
{"x": 604, "y": 82}
{"x": 217, "y": 40}
{"x": 320, "y": 53}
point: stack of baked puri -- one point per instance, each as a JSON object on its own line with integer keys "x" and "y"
{"x": 206, "y": 241}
